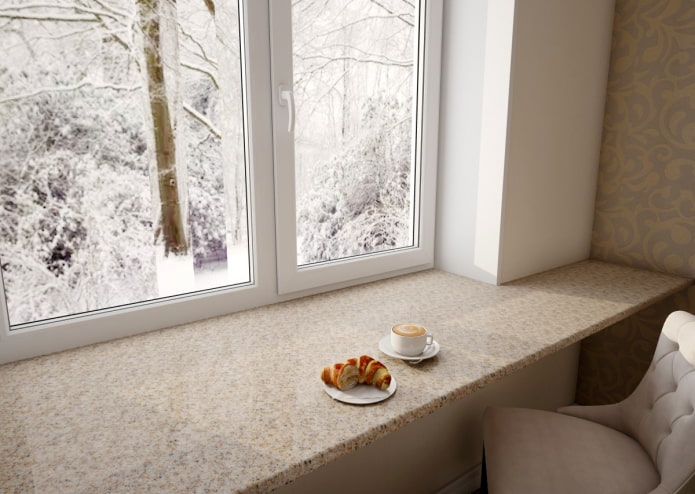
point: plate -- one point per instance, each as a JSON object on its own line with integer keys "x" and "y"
{"x": 362, "y": 394}
{"x": 431, "y": 351}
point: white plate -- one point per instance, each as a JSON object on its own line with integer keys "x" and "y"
{"x": 430, "y": 351}
{"x": 362, "y": 394}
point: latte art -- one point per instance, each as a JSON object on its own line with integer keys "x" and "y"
{"x": 409, "y": 330}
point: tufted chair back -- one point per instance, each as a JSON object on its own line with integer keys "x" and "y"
{"x": 660, "y": 413}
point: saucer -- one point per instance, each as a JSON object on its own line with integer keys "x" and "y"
{"x": 430, "y": 351}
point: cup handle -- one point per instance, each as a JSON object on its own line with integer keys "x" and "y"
{"x": 429, "y": 340}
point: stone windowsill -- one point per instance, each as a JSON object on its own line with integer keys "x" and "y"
{"x": 235, "y": 403}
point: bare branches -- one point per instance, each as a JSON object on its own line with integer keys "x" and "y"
{"x": 112, "y": 9}
{"x": 18, "y": 12}
{"x": 119, "y": 16}
{"x": 200, "y": 118}
{"x": 47, "y": 17}
{"x": 327, "y": 60}
{"x": 402, "y": 17}
{"x": 361, "y": 20}
{"x": 344, "y": 49}
{"x": 63, "y": 89}
{"x": 211, "y": 75}
{"x": 201, "y": 52}
{"x": 107, "y": 11}
{"x": 77, "y": 32}
{"x": 74, "y": 13}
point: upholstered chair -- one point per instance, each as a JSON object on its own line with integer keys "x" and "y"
{"x": 644, "y": 444}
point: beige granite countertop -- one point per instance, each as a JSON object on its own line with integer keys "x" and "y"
{"x": 235, "y": 403}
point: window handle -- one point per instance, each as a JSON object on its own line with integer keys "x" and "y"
{"x": 287, "y": 99}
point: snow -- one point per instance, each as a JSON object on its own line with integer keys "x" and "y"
{"x": 174, "y": 274}
{"x": 231, "y": 272}
{"x": 80, "y": 221}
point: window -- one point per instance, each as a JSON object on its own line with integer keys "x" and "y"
{"x": 138, "y": 184}
{"x": 354, "y": 162}
{"x": 122, "y": 155}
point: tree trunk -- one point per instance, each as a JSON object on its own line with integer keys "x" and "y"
{"x": 226, "y": 22}
{"x": 163, "y": 119}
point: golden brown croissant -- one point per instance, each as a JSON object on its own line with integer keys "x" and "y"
{"x": 373, "y": 372}
{"x": 348, "y": 374}
{"x": 343, "y": 376}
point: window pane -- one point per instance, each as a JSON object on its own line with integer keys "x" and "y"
{"x": 354, "y": 90}
{"x": 122, "y": 168}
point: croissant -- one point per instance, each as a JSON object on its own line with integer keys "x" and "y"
{"x": 363, "y": 370}
{"x": 373, "y": 372}
{"x": 343, "y": 376}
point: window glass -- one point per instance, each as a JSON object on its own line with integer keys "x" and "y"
{"x": 147, "y": 154}
{"x": 122, "y": 160}
{"x": 354, "y": 90}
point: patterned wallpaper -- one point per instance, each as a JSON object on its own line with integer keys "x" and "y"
{"x": 612, "y": 362}
{"x": 645, "y": 207}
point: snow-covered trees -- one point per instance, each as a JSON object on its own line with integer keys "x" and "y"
{"x": 76, "y": 225}
{"x": 103, "y": 105}
{"x": 122, "y": 144}
{"x": 354, "y": 83}
{"x": 358, "y": 202}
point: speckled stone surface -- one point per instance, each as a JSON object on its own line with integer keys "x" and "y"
{"x": 235, "y": 404}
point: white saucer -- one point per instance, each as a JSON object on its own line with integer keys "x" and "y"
{"x": 362, "y": 394}
{"x": 430, "y": 351}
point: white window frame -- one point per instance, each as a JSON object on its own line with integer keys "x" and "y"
{"x": 108, "y": 324}
{"x": 293, "y": 278}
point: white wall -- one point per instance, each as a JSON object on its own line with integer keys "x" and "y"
{"x": 460, "y": 115}
{"x": 544, "y": 132}
{"x": 559, "y": 74}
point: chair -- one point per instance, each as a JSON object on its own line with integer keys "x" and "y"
{"x": 643, "y": 444}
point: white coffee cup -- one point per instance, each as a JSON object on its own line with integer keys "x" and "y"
{"x": 410, "y": 339}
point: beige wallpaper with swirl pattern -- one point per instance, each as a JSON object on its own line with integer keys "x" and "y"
{"x": 645, "y": 207}
{"x": 613, "y": 361}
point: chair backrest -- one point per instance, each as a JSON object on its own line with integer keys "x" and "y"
{"x": 660, "y": 413}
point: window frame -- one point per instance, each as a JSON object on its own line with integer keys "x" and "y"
{"x": 293, "y": 278}
{"x": 108, "y": 324}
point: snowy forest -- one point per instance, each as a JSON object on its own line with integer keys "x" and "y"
{"x": 354, "y": 83}
{"x": 123, "y": 176}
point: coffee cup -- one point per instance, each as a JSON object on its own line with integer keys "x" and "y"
{"x": 410, "y": 339}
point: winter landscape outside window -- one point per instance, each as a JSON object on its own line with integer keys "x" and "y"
{"x": 147, "y": 158}
{"x": 355, "y": 163}
{"x": 354, "y": 93}
{"x": 121, "y": 153}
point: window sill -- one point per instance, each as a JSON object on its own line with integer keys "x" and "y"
{"x": 235, "y": 403}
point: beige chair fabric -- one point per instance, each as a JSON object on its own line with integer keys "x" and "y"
{"x": 644, "y": 444}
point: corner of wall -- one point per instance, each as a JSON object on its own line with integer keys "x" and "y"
{"x": 522, "y": 100}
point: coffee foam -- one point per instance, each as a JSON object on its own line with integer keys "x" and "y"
{"x": 409, "y": 330}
